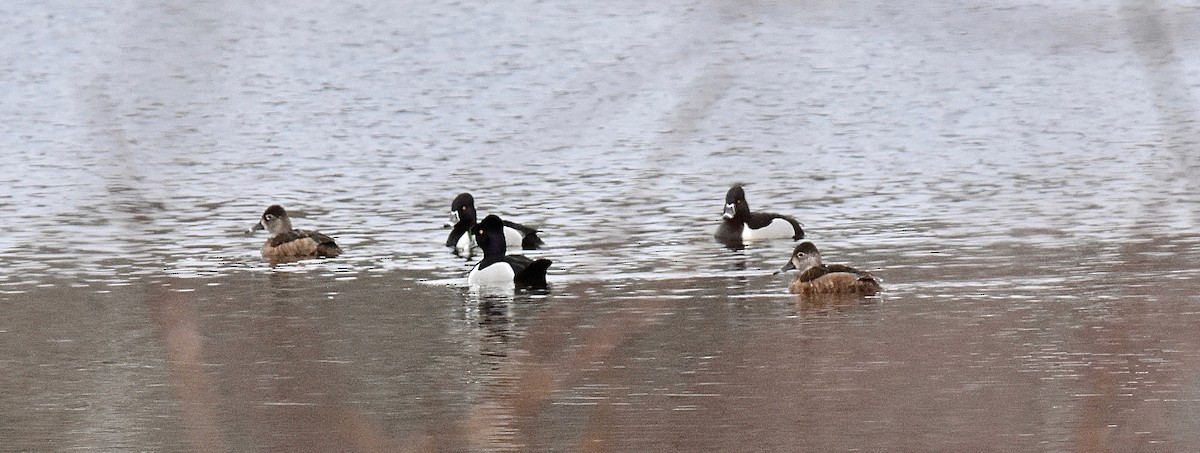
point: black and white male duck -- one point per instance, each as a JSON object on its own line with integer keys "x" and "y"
{"x": 739, "y": 224}
{"x": 289, "y": 244}
{"x": 463, "y": 217}
{"x": 817, "y": 278}
{"x": 497, "y": 268}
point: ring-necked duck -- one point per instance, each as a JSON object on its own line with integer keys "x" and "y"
{"x": 288, "y": 244}
{"x": 739, "y": 224}
{"x": 817, "y": 278}
{"x": 463, "y": 217}
{"x": 498, "y": 269}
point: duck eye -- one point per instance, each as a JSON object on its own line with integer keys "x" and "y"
{"x": 269, "y": 217}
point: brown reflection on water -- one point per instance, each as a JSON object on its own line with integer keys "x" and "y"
{"x": 174, "y": 316}
{"x": 1089, "y": 347}
{"x": 265, "y": 379}
{"x": 1142, "y": 365}
{"x": 1089, "y": 360}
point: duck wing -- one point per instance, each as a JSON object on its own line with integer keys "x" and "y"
{"x": 522, "y": 228}
{"x": 813, "y": 273}
{"x": 325, "y": 244}
{"x": 843, "y": 268}
{"x": 295, "y": 235}
{"x": 527, "y": 271}
{"x": 816, "y": 272}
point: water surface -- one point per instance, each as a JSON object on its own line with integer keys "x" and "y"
{"x": 1020, "y": 175}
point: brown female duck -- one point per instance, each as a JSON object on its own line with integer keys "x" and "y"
{"x": 818, "y": 278}
{"x": 288, "y": 244}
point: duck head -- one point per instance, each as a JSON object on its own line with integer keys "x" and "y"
{"x": 275, "y": 220}
{"x": 804, "y": 257}
{"x": 735, "y": 204}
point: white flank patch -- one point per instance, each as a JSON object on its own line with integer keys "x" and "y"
{"x": 778, "y": 228}
{"x": 499, "y": 274}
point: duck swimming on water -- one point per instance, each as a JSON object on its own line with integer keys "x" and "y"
{"x": 288, "y": 244}
{"x": 499, "y": 269}
{"x": 816, "y": 277}
{"x": 739, "y": 224}
{"x": 463, "y": 217}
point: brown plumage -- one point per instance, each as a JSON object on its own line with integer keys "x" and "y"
{"x": 288, "y": 244}
{"x": 816, "y": 278}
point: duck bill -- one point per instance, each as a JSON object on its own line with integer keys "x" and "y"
{"x": 729, "y": 212}
{"x": 786, "y": 267}
{"x": 257, "y": 227}
{"x": 453, "y": 219}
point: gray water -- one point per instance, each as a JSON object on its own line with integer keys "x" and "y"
{"x": 1021, "y": 176}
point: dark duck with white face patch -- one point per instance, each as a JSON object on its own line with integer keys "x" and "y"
{"x": 463, "y": 218}
{"x": 739, "y": 224}
{"x": 497, "y": 268}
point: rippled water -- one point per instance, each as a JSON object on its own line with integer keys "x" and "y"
{"x": 1020, "y": 175}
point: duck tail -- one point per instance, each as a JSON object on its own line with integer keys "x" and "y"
{"x": 533, "y": 275}
{"x": 328, "y": 250}
{"x": 531, "y": 241}
{"x": 868, "y": 284}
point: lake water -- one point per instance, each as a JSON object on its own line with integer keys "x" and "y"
{"x": 1022, "y": 176}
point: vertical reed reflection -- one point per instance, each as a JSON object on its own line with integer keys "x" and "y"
{"x": 174, "y": 316}
{"x": 1148, "y": 24}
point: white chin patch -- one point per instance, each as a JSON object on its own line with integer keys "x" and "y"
{"x": 729, "y": 212}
